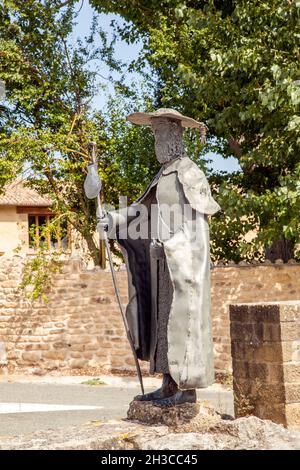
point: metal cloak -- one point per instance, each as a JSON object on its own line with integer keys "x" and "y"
{"x": 184, "y": 239}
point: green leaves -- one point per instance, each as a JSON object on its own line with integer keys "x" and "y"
{"x": 294, "y": 123}
{"x": 232, "y": 64}
{"x": 235, "y": 66}
{"x": 49, "y": 123}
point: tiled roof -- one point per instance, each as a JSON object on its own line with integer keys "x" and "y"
{"x": 18, "y": 194}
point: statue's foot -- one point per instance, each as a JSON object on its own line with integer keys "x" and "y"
{"x": 168, "y": 389}
{"x": 157, "y": 395}
{"x": 180, "y": 397}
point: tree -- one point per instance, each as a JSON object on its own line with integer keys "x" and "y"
{"x": 49, "y": 120}
{"x": 8, "y": 167}
{"x": 234, "y": 65}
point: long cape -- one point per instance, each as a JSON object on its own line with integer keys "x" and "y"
{"x": 190, "y": 347}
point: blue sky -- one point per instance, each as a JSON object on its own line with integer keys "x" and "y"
{"x": 126, "y": 53}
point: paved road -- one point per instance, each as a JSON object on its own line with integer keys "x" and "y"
{"x": 110, "y": 402}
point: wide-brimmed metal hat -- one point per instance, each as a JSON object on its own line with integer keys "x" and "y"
{"x": 145, "y": 118}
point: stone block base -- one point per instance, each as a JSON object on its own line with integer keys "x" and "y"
{"x": 188, "y": 417}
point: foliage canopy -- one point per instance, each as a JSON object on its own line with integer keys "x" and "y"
{"x": 234, "y": 64}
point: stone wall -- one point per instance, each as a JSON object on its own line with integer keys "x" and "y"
{"x": 266, "y": 360}
{"x": 247, "y": 283}
{"x": 81, "y": 327}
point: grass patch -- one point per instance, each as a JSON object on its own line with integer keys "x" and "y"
{"x": 96, "y": 381}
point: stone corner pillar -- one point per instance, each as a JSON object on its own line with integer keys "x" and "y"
{"x": 265, "y": 349}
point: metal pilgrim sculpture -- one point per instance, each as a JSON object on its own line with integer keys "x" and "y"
{"x": 164, "y": 237}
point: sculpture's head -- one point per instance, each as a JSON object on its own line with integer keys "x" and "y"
{"x": 168, "y": 138}
{"x": 167, "y": 125}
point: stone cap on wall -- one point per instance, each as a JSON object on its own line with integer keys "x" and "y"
{"x": 283, "y": 310}
{"x": 278, "y": 302}
{"x": 250, "y": 264}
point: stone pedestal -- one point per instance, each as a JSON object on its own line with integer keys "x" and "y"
{"x": 188, "y": 417}
{"x": 265, "y": 347}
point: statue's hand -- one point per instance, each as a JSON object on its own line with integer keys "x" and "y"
{"x": 102, "y": 224}
{"x": 156, "y": 249}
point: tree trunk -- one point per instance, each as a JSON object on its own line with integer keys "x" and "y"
{"x": 280, "y": 249}
{"x": 94, "y": 250}
{"x": 102, "y": 254}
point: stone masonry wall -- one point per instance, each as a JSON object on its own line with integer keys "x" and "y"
{"x": 247, "y": 283}
{"x": 80, "y": 327}
{"x": 266, "y": 360}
